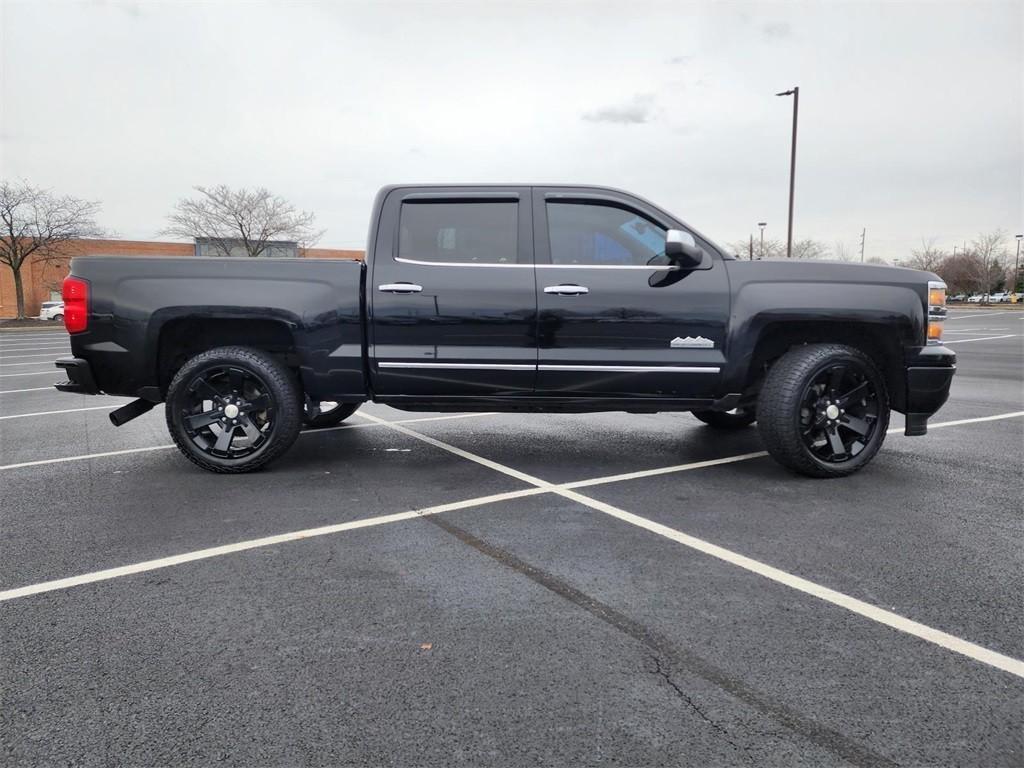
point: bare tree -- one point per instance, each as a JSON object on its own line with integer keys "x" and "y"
{"x": 841, "y": 251}
{"x": 254, "y": 218}
{"x": 992, "y": 254}
{"x": 927, "y": 257}
{"x": 39, "y": 224}
{"x": 772, "y": 249}
{"x": 809, "y": 249}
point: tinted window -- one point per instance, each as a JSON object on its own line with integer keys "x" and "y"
{"x": 603, "y": 235}
{"x": 469, "y": 233}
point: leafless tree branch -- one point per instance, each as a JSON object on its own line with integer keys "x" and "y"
{"x": 256, "y": 218}
{"x": 34, "y": 222}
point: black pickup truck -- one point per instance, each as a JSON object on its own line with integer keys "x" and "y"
{"x": 513, "y": 298}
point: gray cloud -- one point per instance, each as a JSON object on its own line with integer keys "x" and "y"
{"x": 776, "y": 30}
{"x": 636, "y": 111}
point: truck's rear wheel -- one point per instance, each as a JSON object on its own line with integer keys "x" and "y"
{"x": 823, "y": 410}
{"x": 233, "y": 409}
{"x": 734, "y": 419}
{"x": 328, "y": 414}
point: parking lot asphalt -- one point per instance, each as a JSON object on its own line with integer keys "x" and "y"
{"x": 436, "y": 595}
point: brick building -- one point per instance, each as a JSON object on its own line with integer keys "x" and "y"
{"x": 42, "y": 279}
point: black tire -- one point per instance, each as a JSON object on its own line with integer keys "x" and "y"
{"x": 817, "y": 398}
{"x": 330, "y": 417}
{"x": 58, "y": 318}
{"x": 735, "y": 419}
{"x": 248, "y": 384}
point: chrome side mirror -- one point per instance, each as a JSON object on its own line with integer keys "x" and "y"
{"x": 681, "y": 249}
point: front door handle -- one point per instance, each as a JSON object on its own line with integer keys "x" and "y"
{"x": 567, "y": 290}
{"x": 399, "y": 288}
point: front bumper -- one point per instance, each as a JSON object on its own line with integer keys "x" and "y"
{"x": 80, "y": 378}
{"x": 929, "y": 374}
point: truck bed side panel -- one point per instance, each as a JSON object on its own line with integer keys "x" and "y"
{"x": 132, "y": 300}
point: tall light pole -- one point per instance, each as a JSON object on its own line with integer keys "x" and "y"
{"x": 1016, "y": 265}
{"x": 763, "y": 224}
{"x": 795, "y": 93}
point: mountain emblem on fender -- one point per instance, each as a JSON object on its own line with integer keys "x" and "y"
{"x": 691, "y": 342}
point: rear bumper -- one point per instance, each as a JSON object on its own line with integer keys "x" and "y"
{"x": 929, "y": 374}
{"x": 80, "y": 378}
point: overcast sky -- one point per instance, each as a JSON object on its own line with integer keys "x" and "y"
{"x": 910, "y": 113}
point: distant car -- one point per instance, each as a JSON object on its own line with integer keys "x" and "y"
{"x": 999, "y": 298}
{"x": 51, "y": 310}
{"x": 959, "y": 297}
{"x": 976, "y": 299}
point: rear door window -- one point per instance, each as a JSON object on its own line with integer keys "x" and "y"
{"x": 459, "y": 232}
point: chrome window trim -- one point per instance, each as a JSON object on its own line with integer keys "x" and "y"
{"x": 545, "y": 367}
{"x": 665, "y": 268}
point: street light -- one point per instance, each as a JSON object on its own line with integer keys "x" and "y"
{"x": 763, "y": 224}
{"x": 795, "y": 93}
{"x": 1016, "y": 265}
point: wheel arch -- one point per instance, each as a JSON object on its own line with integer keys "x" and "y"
{"x": 878, "y": 340}
{"x": 182, "y": 337}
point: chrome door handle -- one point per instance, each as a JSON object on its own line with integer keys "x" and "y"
{"x": 567, "y": 290}
{"x": 399, "y": 288}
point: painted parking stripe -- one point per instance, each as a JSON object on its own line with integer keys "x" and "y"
{"x": 266, "y": 541}
{"x": 147, "y": 449}
{"x": 22, "y": 351}
{"x": 983, "y": 338}
{"x": 53, "y": 413}
{"x": 842, "y": 600}
{"x": 48, "y": 372}
{"x": 5, "y": 358}
{"x": 33, "y": 389}
{"x": 975, "y": 314}
{"x": 880, "y": 615}
{"x": 5, "y": 364}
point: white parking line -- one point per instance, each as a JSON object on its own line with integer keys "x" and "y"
{"x": 40, "y": 345}
{"x": 975, "y": 314}
{"x": 66, "y": 410}
{"x": 33, "y": 389}
{"x": 267, "y": 541}
{"x": 867, "y": 610}
{"x": 983, "y": 338}
{"x": 127, "y": 451}
{"x": 5, "y": 364}
{"x": 5, "y": 358}
{"x": 49, "y": 372}
{"x": 60, "y": 334}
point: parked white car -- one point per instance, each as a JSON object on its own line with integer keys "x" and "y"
{"x": 998, "y": 298}
{"x": 51, "y": 310}
{"x": 975, "y": 299}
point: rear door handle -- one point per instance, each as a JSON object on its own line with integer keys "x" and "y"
{"x": 567, "y": 290}
{"x": 399, "y": 288}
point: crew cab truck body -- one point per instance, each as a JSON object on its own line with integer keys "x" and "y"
{"x": 513, "y": 298}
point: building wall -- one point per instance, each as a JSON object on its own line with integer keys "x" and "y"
{"x": 41, "y": 279}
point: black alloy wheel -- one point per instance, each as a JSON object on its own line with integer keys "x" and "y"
{"x": 228, "y": 411}
{"x": 839, "y": 412}
{"x": 823, "y": 410}
{"x": 737, "y": 418}
{"x": 233, "y": 409}
{"x": 326, "y": 414}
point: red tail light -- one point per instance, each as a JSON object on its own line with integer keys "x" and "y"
{"x": 75, "y": 293}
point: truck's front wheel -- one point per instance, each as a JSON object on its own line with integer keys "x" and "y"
{"x": 233, "y": 409}
{"x": 328, "y": 414}
{"x": 823, "y": 410}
